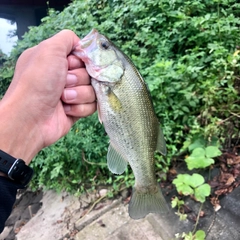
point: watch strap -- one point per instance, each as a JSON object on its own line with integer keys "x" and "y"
{"x": 15, "y": 169}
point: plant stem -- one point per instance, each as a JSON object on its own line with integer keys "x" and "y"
{"x": 198, "y": 216}
{"x": 92, "y": 163}
{"x": 94, "y": 204}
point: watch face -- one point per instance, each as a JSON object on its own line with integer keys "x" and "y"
{"x": 15, "y": 169}
{"x": 20, "y": 172}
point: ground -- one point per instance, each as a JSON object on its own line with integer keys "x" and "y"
{"x": 64, "y": 217}
{"x": 61, "y": 216}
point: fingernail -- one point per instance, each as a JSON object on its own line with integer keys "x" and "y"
{"x": 70, "y": 94}
{"x": 66, "y": 108}
{"x": 71, "y": 79}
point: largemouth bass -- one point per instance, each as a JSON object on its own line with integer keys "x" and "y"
{"x": 126, "y": 111}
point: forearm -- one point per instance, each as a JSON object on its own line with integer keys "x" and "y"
{"x": 18, "y": 140}
{"x": 18, "y": 136}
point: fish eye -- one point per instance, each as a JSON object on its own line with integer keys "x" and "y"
{"x": 105, "y": 44}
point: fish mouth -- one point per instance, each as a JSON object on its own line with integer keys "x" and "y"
{"x": 85, "y": 51}
{"x": 86, "y": 44}
{"x": 88, "y": 39}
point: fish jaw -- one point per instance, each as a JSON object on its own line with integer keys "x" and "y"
{"x": 85, "y": 46}
{"x": 88, "y": 39}
{"x": 101, "y": 64}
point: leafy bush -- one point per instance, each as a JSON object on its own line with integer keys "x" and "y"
{"x": 63, "y": 165}
{"x": 185, "y": 50}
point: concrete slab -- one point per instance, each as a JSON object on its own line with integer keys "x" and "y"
{"x": 117, "y": 225}
{"x": 47, "y": 223}
{"x": 64, "y": 217}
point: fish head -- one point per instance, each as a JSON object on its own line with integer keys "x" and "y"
{"x": 100, "y": 57}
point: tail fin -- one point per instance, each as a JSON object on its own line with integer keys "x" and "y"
{"x": 144, "y": 202}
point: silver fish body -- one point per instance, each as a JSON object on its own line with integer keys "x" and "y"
{"x": 126, "y": 111}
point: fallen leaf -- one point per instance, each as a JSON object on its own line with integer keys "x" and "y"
{"x": 217, "y": 207}
{"x": 230, "y": 180}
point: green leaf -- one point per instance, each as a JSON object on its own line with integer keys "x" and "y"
{"x": 185, "y": 189}
{"x": 182, "y": 217}
{"x": 198, "y": 152}
{"x": 212, "y": 151}
{"x": 188, "y": 236}
{"x": 200, "y": 235}
{"x": 201, "y": 162}
{"x": 182, "y": 178}
{"x": 196, "y": 180}
{"x": 198, "y": 159}
{"x": 174, "y": 202}
{"x": 185, "y": 109}
{"x": 198, "y": 143}
{"x": 202, "y": 192}
{"x": 186, "y": 144}
{"x": 180, "y": 183}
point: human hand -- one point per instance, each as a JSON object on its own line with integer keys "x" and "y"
{"x": 49, "y": 92}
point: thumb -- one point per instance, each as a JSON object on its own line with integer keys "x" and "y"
{"x": 66, "y": 40}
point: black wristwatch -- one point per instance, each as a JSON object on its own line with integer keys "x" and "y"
{"x": 15, "y": 169}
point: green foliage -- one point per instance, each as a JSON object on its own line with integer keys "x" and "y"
{"x": 179, "y": 203}
{"x": 192, "y": 185}
{"x": 202, "y": 157}
{"x": 186, "y": 52}
{"x": 3, "y": 72}
{"x": 3, "y": 57}
{"x": 63, "y": 166}
{"x": 199, "y": 235}
{"x": 202, "y": 152}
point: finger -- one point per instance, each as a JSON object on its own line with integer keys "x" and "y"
{"x": 65, "y": 40}
{"x": 79, "y": 95}
{"x": 80, "y": 110}
{"x": 74, "y": 62}
{"x": 77, "y": 77}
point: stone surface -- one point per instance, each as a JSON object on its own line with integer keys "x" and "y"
{"x": 47, "y": 223}
{"x": 64, "y": 217}
{"x": 116, "y": 224}
{"x": 6, "y": 233}
{"x": 226, "y": 225}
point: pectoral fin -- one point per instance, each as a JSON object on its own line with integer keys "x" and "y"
{"x": 161, "y": 144}
{"x": 116, "y": 163}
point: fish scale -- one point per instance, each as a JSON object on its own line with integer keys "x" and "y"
{"x": 125, "y": 108}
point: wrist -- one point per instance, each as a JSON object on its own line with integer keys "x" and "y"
{"x": 18, "y": 135}
{"x": 15, "y": 169}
